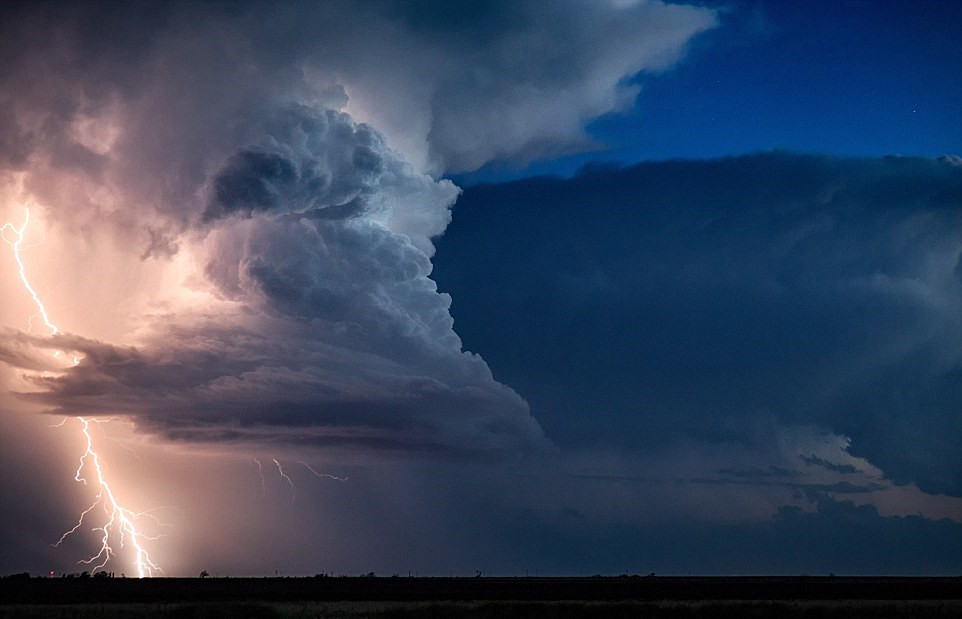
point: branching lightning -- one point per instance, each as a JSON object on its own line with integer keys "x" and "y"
{"x": 290, "y": 482}
{"x": 316, "y": 474}
{"x": 120, "y": 522}
{"x": 119, "y": 519}
{"x": 287, "y": 478}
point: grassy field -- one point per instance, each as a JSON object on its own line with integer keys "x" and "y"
{"x": 875, "y": 609}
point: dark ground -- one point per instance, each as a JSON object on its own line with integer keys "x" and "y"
{"x": 51, "y": 591}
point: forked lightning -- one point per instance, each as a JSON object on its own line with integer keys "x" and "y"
{"x": 120, "y": 526}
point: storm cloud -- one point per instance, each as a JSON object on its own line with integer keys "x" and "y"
{"x": 242, "y": 223}
{"x": 226, "y": 141}
{"x": 717, "y": 301}
{"x": 452, "y": 86}
{"x": 328, "y": 330}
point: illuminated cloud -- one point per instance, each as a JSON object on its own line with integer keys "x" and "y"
{"x": 328, "y": 330}
{"x": 276, "y": 250}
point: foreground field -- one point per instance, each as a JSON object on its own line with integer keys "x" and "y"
{"x": 668, "y": 609}
{"x": 479, "y": 598}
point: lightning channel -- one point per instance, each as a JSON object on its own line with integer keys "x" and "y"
{"x": 260, "y": 471}
{"x": 120, "y": 523}
{"x": 15, "y": 244}
{"x": 120, "y": 520}
{"x": 290, "y": 482}
{"x": 316, "y": 474}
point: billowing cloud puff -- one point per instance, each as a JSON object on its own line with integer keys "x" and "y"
{"x": 321, "y": 165}
{"x": 328, "y": 329}
{"x": 525, "y": 95}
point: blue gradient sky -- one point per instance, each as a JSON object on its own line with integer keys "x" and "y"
{"x": 847, "y": 78}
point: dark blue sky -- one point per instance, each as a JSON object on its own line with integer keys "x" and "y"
{"x": 850, "y": 78}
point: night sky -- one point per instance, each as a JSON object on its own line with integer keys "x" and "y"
{"x": 510, "y": 286}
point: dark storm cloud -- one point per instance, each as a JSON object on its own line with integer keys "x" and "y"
{"x": 759, "y": 473}
{"x": 758, "y": 478}
{"x": 314, "y": 161}
{"x": 251, "y": 181}
{"x": 816, "y": 461}
{"x": 203, "y": 382}
{"x": 694, "y": 300}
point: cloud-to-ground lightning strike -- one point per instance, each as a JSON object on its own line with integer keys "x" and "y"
{"x": 121, "y": 522}
{"x": 118, "y": 517}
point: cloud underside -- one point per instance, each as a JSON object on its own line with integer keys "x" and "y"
{"x": 284, "y": 384}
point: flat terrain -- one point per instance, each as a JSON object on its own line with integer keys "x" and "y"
{"x": 399, "y": 598}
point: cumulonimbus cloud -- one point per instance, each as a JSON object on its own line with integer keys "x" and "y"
{"x": 329, "y": 330}
{"x": 224, "y": 144}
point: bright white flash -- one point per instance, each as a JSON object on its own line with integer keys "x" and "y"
{"x": 120, "y": 523}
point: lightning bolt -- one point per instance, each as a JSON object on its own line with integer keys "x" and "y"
{"x": 119, "y": 518}
{"x": 287, "y": 478}
{"x": 290, "y": 482}
{"x": 120, "y": 522}
{"x": 316, "y": 474}
{"x": 260, "y": 471}
{"x": 15, "y": 244}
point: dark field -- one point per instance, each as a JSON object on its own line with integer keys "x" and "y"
{"x": 476, "y": 598}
